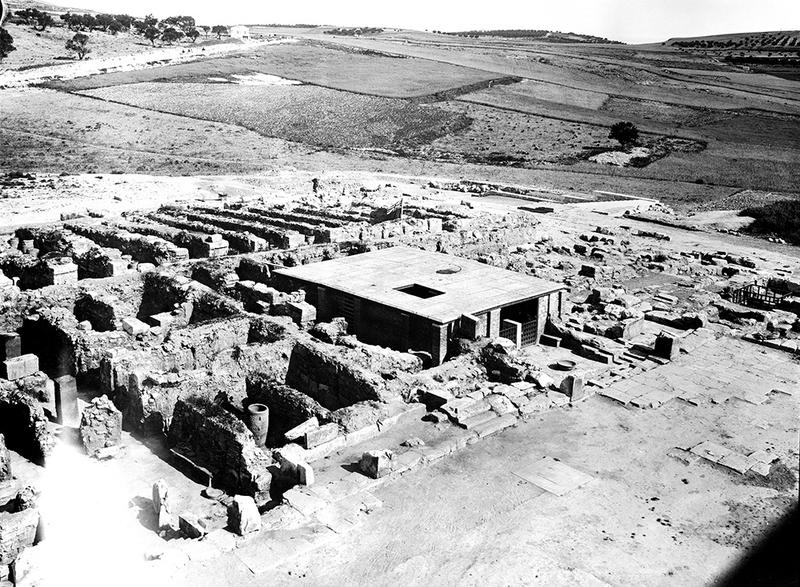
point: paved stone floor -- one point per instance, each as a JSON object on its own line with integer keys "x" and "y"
{"x": 653, "y": 513}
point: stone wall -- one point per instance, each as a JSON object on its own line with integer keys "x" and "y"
{"x": 216, "y": 439}
{"x": 329, "y": 374}
{"x": 23, "y": 422}
{"x": 287, "y": 406}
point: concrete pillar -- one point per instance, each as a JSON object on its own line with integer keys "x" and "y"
{"x": 66, "y": 392}
{"x": 541, "y": 317}
{"x": 324, "y": 310}
{"x": 355, "y": 327}
{"x": 438, "y": 343}
{"x": 494, "y": 323}
{"x": 404, "y": 335}
{"x": 516, "y": 334}
{"x": 470, "y": 326}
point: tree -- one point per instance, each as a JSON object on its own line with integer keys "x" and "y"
{"x": 206, "y": 30}
{"x": 73, "y": 21}
{"x": 193, "y": 34}
{"x": 6, "y": 44}
{"x": 116, "y": 27}
{"x": 105, "y": 21}
{"x": 78, "y": 44}
{"x": 170, "y": 35}
{"x": 151, "y": 33}
{"x": 625, "y": 132}
{"x": 88, "y": 22}
{"x": 219, "y": 30}
{"x": 126, "y": 20}
{"x": 184, "y": 23}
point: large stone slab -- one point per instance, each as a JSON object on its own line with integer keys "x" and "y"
{"x": 553, "y": 476}
{"x": 19, "y": 367}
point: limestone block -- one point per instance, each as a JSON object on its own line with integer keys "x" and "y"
{"x": 134, "y": 326}
{"x": 376, "y": 463}
{"x": 66, "y": 399}
{"x": 101, "y": 425}
{"x": 18, "y": 367}
{"x": 321, "y": 435}
{"x": 572, "y": 386}
{"x": 300, "y": 430}
{"x": 243, "y": 515}
{"x": 667, "y": 346}
{"x": 163, "y": 504}
{"x": 17, "y": 532}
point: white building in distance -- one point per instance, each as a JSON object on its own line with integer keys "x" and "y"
{"x": 240, "y": 32}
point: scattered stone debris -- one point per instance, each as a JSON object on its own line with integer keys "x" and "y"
{"x": 101, "y": 426}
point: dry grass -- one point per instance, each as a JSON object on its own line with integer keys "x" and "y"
{"x": 340, "y": 69}
{"x": 304, "y": 114}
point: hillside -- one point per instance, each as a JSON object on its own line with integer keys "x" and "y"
{"x": 532, "y": 34}
{"x": 754, "y": 41}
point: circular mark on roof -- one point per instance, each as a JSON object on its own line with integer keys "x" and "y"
{"x": 449, "y": 270}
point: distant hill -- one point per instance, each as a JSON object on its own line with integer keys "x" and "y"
{"x": 15, "y": 5}
{"x": 549, "y": 36}
{"x": 762, "y": 41}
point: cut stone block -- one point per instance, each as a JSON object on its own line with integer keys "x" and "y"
{"x": 321, "y": 435}
{"x": 737, "y": 462}
{"x": 478, "y": 419}
{"x": 243, "y": 515}
{"x": 667, "y": 346}
{"x": 495, "y": 425}
{"x": 376, "y": 463}
{"x": 300, "y": 430}
{"x": 134, "y": 326}
{"x": 17, "y": 532}
{"x": 572, "y": 386}
{"x": 711, "y": 451}
{"x": 18, "y": 367}
{"x": 66, "y": 398}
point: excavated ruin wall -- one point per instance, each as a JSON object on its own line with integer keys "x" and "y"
{"x": 159, "y": 393}
{"x": 131, "y": 376}
{"x": 287, "y": 407}
{"x": 143, "y": 249}
{"x": 24, "y": 423}
{"x": 217, "y": 440}
{"x": 329, "y": 374}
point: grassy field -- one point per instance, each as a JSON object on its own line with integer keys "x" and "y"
{"x": 356, "y": 95}
{"x": 37, "y": 49}
{"x": 305, "y": 114}
{"x": 338, "y": 68}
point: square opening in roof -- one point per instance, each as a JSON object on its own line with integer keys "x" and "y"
{"x": 420, "y": 291}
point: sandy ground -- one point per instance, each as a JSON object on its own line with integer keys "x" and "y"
{"x": 648, "y": 518}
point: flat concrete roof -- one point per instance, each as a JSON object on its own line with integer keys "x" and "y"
{"x": 467, "y": 287}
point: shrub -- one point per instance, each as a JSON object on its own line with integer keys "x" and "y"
{"x": 6, "y": 44}
{"x": 625, "y": 133}
{"x": 78, "y": 44}
{"x": 780, "y": 219}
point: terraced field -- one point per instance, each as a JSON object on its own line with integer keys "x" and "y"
{"x": 352, "y": 70}
{"x": 304, "y": 114}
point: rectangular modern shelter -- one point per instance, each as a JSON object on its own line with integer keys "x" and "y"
{"x": 411, "y": 299}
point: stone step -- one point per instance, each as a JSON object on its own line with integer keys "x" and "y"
{"x": 495, "y": 425}
{"x": 473, "y": 421}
